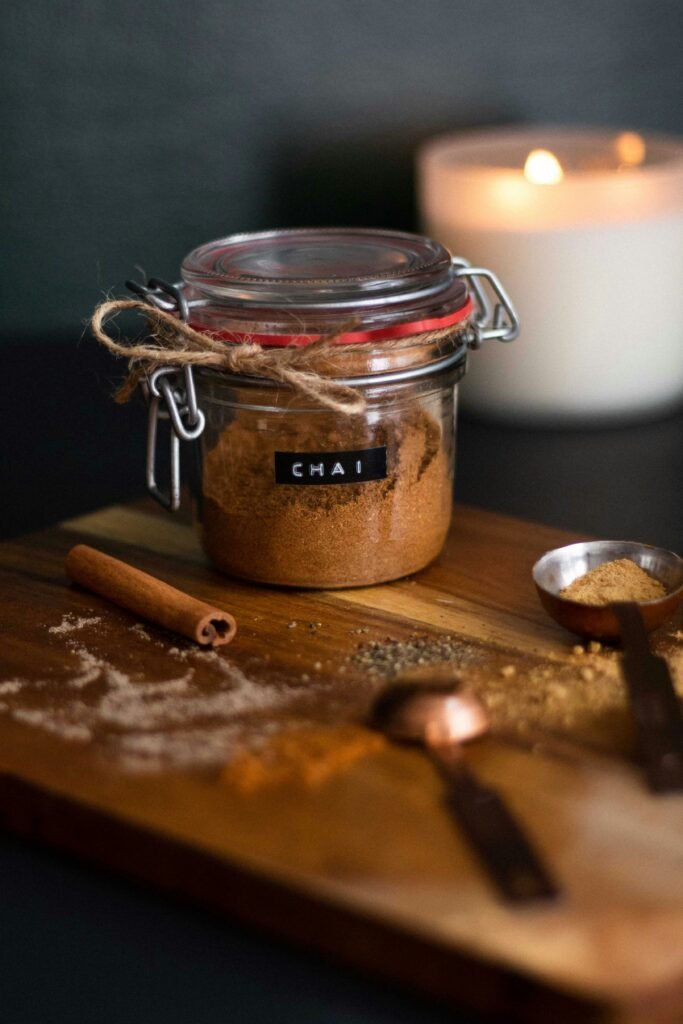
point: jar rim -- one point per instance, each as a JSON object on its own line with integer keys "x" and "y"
{"x": 320, "y": 276}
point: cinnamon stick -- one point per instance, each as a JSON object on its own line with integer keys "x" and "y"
{"x": 149, "y": 597}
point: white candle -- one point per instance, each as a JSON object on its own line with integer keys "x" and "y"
{"x": 589, "y": 245}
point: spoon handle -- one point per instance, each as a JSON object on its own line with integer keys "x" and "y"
{"x": 493, "y": 832}
{"x": 654, "y": 704}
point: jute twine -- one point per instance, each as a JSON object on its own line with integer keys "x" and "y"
{"x": 171, "y": 342}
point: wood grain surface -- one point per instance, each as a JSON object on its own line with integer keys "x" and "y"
{"x": 114, "y": 737}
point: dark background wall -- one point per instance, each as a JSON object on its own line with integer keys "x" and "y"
{"x": 134, "y": 131}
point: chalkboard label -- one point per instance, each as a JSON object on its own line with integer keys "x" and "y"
{"x": 315, "y": 468}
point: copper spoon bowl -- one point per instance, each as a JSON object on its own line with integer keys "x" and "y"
{"x": 560, "y": 567}
{"x": 405, "y": 711}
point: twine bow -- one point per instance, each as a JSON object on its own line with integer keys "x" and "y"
{"x": 172, "y": 342}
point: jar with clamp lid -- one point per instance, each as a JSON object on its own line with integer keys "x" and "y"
{"x": 328, "y": 461}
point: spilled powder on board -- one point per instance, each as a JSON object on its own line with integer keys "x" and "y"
{"x": 205, "y": 710}
{"x": 71, "y": 623}
{"x": 580, "y": 696}
{"x": 173, "y": 723}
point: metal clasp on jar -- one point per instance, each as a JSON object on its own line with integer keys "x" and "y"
{"x": 171, "y": 395}
{"x": 493, "y": 321}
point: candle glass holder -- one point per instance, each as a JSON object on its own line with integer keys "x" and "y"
{"x": 586, "y": 228}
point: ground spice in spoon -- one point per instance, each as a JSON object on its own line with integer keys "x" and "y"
{"x": 618, "y": 580}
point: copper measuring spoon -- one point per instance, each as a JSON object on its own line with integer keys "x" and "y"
{"x": 442, "y": 720}
{"x": 654, "y": 704}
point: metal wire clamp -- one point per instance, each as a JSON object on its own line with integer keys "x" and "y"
{"x": 171, "y": 395}
{"x": 495, "y": 320}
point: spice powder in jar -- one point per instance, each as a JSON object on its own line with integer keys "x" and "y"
{"x": 298, "y": 485}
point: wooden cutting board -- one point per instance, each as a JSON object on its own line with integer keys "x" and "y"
{"x": 114, "y": 736}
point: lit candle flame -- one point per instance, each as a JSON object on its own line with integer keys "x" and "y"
{"x": 630, "y": 148}
{"x": 543, "y": 168}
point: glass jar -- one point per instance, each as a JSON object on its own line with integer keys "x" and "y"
{"x": 291, "y": 491}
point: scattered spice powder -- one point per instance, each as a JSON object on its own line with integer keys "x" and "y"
{"x": 11, "y": 686}
{"x": 71, "y": 623}
{"x": 579, "y": 696}
{"x": 203, "y": 710}
{"x": 342, "y": 534}
{"x": 200, "y": 711}
{"x": 308, "y": 756}
{"x": 390, "y": 658}
{"x": 619, "y": 580}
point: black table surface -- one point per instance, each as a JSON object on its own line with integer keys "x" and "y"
{"x": 79, "y": 945}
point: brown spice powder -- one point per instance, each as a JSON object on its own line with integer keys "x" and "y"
{"x": 326, "y": 536}
{"x": 618, "y": 580}
{"x": 578, "y": 697}
{"x": 307, "y": 757}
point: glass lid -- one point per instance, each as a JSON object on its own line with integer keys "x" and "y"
{"x": 324, "y": 269}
